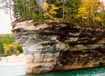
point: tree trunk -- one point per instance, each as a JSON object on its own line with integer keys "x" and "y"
{"x": 40, "y": 3}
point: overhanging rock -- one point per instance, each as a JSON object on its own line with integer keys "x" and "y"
{"x": 60, "y": 46}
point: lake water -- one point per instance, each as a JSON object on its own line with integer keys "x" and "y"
{"x": 19, "y": 70}
{"x": 14, "y": 69}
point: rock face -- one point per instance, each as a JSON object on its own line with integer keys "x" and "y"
{"x": 53, "y": 47}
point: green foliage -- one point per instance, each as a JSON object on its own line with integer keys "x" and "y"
{"x": 11, "y": 48}
{"x": 89, "y": 13}
{"x": 25, "y": 10}
{"x": 5, "y": 38}
{"x": 8, "y": 40}
{"x": 29, "y": 10}
{"x": 71, "y": 10}
{"x": 77, "y": 12}
{"x": 67, "y": 8}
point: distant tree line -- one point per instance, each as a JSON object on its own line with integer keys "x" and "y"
{"x": 8, "y": 46}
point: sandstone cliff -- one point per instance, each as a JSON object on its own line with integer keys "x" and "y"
{"x": 52, "y": 47}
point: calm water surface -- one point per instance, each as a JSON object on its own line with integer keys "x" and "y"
{"x": 82, "y": 72}
{"x": 19, "y": 70}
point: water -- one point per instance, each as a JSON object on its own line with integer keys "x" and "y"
{"x": 100, "y": 71}
{"x": 19, "y": 70}
{"x": 14, "y": 69}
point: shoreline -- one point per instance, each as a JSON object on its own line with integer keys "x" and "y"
{"x": 9, "y": 63}
{"x": 13, "y": 59}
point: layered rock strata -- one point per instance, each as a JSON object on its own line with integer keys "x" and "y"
{"x": 60, "y": 46}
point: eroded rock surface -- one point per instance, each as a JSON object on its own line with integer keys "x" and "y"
{"x": 51, "y": 47}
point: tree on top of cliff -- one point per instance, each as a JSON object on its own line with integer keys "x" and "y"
{"x": 78, "y": 12}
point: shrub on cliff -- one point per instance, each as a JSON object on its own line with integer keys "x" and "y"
{"x": 78, "y": 12}
{"x": 49, "y": 9}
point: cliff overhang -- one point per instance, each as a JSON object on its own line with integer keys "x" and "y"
{"x": 60, "y": 46}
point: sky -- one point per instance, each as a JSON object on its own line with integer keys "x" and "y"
{"x": 5, "y": 23}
